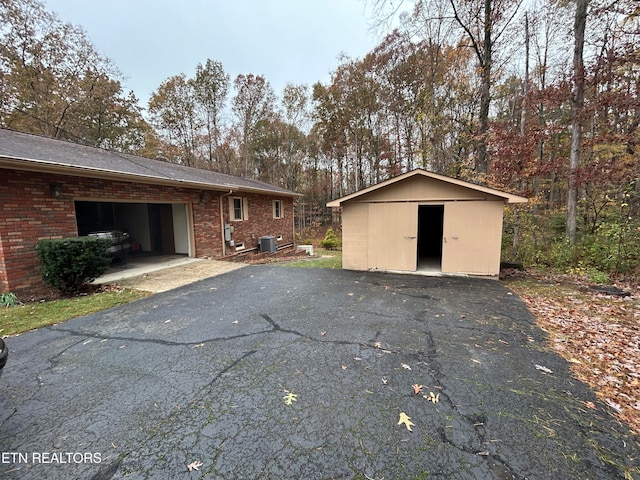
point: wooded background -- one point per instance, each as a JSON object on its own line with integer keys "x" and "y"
{"x": 539, "y": 97}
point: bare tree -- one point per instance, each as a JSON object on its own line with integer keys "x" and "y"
{"x": 211, "y": 86}
{"x": 577, "y": 102}
{"x": 254, "y": 101}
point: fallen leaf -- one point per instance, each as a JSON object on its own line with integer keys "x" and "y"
{"x": 405, "y": 366}
{"x": 377, "y": 345}
{"x": 194, "y": 465}
{"x": 323, "y": 333}
{"x": 167, "y": 321}
{"x": 543, "y": 369}
{"x": 432, "y": 398}
{"x": 406, "y": 420}
{"x": 417, "y": 389}
{"x": 384, "y": 380}
{"x": 590, "y": 405}
{"x": 198, "y": 345}
{"x": 613, "y": 405}
{"x": 350, "y": 294}
{"x": 289, "y": 398}
{"x": 344, "y": 367}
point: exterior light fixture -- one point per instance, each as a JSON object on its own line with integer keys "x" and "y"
{"x": 56, "y": 190}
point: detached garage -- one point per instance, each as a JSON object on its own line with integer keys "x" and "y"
{"x": 424, "y": 222}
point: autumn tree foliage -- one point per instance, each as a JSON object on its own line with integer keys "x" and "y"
{"x": 600, "y": 167}
{"x": 53, "y": 82}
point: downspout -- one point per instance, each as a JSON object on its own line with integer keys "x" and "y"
{"x": 224, "y": 243}
{"x": 293, "y": 221}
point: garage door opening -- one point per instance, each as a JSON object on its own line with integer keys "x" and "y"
{"x": 430, "y": 231}
{"x": 161, "y": 228}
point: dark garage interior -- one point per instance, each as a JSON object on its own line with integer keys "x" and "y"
{"x": 150, "y": 225}
{"x": 430, "y": 231}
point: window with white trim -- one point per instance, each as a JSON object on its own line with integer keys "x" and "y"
{"x": 238, "y": 209}
{"x": 277, "y": 209}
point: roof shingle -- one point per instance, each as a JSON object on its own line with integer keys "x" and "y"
{"x": 42, "y": 153}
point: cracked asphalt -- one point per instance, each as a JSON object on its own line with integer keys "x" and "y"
{"x": 202, "y": 373}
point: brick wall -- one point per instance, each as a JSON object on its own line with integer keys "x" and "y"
{"x": 260, "y": 220}
{"x": 30, "y": 212}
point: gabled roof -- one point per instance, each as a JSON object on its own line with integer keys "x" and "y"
{"x": 508, "y": 197}
{"x": 22, "y": 151}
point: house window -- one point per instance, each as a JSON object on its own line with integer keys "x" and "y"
{"x": 238, "y": 209}
{"x": 277, "y": 209}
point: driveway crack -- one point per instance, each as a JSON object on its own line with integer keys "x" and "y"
{"x": 231, "y": 366}
{"x": 157, "y": 341}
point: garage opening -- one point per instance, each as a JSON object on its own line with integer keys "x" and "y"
{"x": 430, "y": 231}
{"x": 158, "y": 228}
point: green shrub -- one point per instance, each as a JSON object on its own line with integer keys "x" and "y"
{"x": 8, "y": 299}
{"x": 68, "y": 263}
{"x": 330, "y": 241}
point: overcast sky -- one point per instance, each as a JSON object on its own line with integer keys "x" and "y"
{"x": 286, "y": 41}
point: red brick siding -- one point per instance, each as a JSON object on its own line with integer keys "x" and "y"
{"x": 260, "y": 221}
{"x": 29, "y": 212}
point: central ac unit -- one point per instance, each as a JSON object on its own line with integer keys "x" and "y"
{"x": 268, "y": 244}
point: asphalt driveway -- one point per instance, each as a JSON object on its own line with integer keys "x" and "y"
{"x": 283, "y": 373}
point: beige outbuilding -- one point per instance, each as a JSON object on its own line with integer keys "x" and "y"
{"x": 424, "y": 222}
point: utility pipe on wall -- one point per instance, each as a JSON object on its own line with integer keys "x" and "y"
{"x": 224, "y": 243}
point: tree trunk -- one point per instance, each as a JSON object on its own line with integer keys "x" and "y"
{"x": 576, "y": 124}
{"x": 485, "y": 94}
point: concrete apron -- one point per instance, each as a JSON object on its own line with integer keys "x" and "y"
{"x": 134, "y": 266}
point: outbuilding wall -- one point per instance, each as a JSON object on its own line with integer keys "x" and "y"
{"x": 380, "y": 228}
{"x": 30, "y": 212}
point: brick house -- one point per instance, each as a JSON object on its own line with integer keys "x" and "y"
{"x": 56, "y": 189}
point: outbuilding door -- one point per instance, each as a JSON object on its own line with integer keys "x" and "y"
{"x": 393, "y": 236}
{"x": 472, "y": 237}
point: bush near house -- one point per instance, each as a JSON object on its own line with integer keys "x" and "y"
{"x": 330, "y": 240}
{"x": 68, "y": 263}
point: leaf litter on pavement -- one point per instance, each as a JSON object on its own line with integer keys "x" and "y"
{"x": 599, "y": 335}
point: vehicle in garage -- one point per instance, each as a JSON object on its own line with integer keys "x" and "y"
{"x": 120, "y": 243}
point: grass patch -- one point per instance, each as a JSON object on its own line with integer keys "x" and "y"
{"x": 322, "y": 259}
{"x": 22, "y": 318}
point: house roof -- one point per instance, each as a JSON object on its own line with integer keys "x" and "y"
{"x": 508, "y": 197}
{"x": 22, "y": 151}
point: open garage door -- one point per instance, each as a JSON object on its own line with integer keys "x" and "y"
{"x": 160, "y": 228}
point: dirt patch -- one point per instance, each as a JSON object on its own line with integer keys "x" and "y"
{"x": 175, "y": 277}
